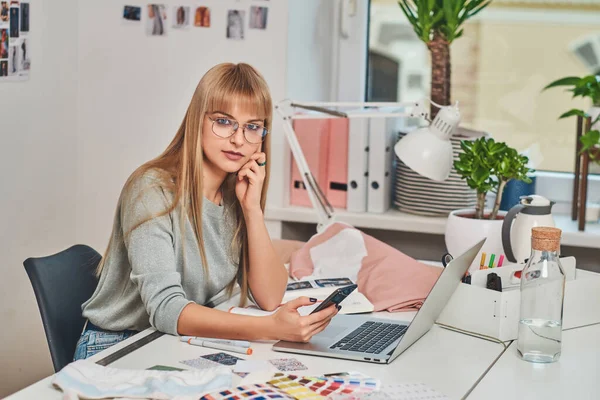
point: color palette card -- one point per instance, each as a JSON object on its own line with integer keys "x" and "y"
{"x": 258, "y": 391}
{"x": 295, "y": 386}
{"x": 327, "y": 385}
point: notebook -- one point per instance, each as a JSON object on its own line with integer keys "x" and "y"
{"x": 355, "y": 303}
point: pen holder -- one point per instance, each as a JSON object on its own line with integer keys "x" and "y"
{"x": 494, "y": 314}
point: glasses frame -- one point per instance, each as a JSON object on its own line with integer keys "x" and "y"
{"x": 236, "y": 126}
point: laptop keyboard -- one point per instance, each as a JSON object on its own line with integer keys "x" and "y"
{"x": 371, "y": 337}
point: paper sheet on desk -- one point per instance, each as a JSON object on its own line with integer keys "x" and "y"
{"x": 398, "y": 391}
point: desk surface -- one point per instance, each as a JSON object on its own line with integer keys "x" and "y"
{"x": 450, "y": 362}
{"x": 575, "y": 375}
{"x": 427, "y": 361}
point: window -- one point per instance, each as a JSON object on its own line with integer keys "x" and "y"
{"x": 499, "y": 67}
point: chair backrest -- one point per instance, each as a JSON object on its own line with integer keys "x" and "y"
{"x": 62, "y": 282}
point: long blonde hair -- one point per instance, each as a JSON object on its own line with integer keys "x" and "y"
{"x": 181, "y": 164}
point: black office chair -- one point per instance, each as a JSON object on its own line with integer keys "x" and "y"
{"x": 62, "y": 282}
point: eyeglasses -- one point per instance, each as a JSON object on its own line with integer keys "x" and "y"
{"x": 225, "y": 127}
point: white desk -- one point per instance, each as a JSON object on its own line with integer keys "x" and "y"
{"x": 452, "y": 363}
{"x": 576, "y": 375}
{"x": 445, "y": 360}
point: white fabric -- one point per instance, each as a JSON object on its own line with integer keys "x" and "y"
{"x": 84, "y": 379}
{"x": 340, "y": 256}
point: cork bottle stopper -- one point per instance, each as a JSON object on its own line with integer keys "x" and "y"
{"x": 545, "y": 238}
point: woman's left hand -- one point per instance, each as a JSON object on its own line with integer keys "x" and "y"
{"x": 249, "y": 182}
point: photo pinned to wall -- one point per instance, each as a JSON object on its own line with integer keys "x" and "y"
{"x": 132, "y": 13}
{"x": 13, "y": 61}
{"x": 14, "y": 31}
{"x": 157, "y": 20}
{"x": 235, "y": 24}
{"x": 14, "y": 20}
{"x": 258, "y": 17}
{"x": 202, "y": 17}
{"x": 24, "y": 17}
{"x": 181, "y": 17}
{"x": 25, "y": 63}
{"x": 3, "y": 43}
{"x": 4, "y": 14}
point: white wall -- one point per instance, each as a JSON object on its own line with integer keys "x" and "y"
{"x": 310, "y": 48}
{"x": 102, "y": 99}
{"x": 38, "y": 183}
{"x": 134, "y": 91}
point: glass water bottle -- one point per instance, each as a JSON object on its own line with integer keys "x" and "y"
{"x": 542, "y": 295}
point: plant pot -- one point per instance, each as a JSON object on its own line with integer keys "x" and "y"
{"x": 463, "y": 231}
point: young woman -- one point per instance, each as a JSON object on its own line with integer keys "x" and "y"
{"x": 190, "y": 223}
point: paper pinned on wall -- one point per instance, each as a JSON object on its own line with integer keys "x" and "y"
{"x": 132, "y": 13}
{"x": 235, "y": 24}
{"x": 258, "y": 17}
{"x": 156, "y": 24}
{"x": 202, "y": 17}
{"x": 181, "y": 17}
{"x": 15, "y": 59}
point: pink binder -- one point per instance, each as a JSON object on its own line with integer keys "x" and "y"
{"x": 336, "y": 188}
{"x": 313, "y": 137}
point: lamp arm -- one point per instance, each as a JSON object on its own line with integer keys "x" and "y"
{"x": 324, "y": 209}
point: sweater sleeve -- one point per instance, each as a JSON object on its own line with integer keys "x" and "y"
{"x": 151, "y": 254}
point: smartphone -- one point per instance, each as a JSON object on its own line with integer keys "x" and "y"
{"x": 336, "y": 297}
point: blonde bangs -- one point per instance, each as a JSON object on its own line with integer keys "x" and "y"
{"x": 240, "y": 86}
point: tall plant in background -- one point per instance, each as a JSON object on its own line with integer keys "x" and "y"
{"x": 437, "y": 23}
{"x": 585, "y": 87}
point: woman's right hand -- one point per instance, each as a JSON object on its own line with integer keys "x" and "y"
{"x": 289, "y": 325}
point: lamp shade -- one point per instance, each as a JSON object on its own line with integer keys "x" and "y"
{"x": 426, "y": 153}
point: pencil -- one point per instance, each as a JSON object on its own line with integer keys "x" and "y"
{"x": 482, "y": 262}
{"x": 492, "y": 260}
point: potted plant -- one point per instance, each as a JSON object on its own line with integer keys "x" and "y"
{"x": 438, "y": 23}
{"x": 487, "y": 166}
{"x": 585, "y": 87}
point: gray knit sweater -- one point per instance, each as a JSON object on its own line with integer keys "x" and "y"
{"x": 145, "y": 280}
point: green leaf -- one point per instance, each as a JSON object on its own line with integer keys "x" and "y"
{"x": 573, "y": 112}
{"x": 480, "y": 175}
{"x": 590, "y": 140}
{"x": 568, "y": 81}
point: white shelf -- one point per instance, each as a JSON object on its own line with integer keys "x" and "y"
{"x": 394, "y": 220}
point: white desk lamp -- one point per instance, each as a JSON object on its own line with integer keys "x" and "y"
{"x": 426, "y": 150}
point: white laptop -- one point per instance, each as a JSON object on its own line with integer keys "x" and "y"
{"x": 363, "y": 338}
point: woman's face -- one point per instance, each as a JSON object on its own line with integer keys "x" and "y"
{"x": 228, "y": 154}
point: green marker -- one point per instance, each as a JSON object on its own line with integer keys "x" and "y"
{"x": 492, "y": 261}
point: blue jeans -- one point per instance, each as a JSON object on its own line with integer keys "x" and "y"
{"x": 94, "y": 339}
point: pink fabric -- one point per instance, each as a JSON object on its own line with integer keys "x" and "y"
{"x": 390, "y": 279}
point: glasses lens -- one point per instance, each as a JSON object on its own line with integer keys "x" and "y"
{"x": 223, "y": 127}
{"x": 255, "y": 133}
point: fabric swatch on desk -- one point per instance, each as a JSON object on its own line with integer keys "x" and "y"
{"x": 288, "y": 364}
{"x": 223, "y": 358}
{"x": 200, "y": 363}
{"x": 257, "y": 391}
{"x": 294, "y": 387}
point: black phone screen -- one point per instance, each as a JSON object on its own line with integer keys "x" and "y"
{"x": 336, "y": 297}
